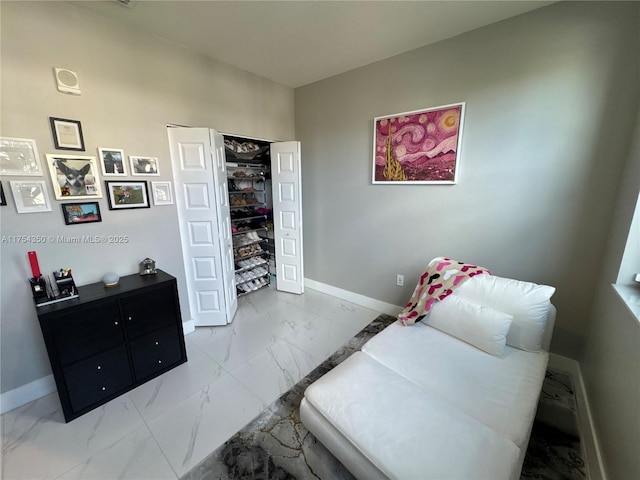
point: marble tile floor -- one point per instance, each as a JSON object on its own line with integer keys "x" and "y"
{"x": 165, "y": 427}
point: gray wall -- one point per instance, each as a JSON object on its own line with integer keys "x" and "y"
{"x": 611, "y": 359}
{"x": 550, "y": 103}
{"x": 630, "y": 264}
{"x": 132, "y": 86}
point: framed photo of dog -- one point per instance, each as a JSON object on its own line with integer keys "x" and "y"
{"x": 127, "y": 194}
{"x": 74, "y": 177}
{"x": 112, "y": 162}
{"x": 144, "y": 165}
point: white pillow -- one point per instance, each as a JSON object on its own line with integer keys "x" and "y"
{"x": 482, "y": 327}
{"x": 529, "y": 304}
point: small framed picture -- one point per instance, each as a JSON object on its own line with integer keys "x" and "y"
{"x": 3, "y": 199}
{"x": 19, "y": 156}
{"x": 144, "y": 165}
{"x": 76, "y": 213}
{"x": 67, "y": 134}
{"x": 30, "y": 196}
{"x": 74, "y": 177}
{"x": 112, "y": 162}
{"x": 127, "y": 194}
{"x": 162, "y": 193}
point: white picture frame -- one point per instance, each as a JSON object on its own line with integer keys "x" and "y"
{"x": 30, "y": 196}
{"x": 112, "y": 161}
{"x": 144, "y": 166}
{"x": 162, "y": 193}
{"x": 418, "y": 147}
{"x": 79, "y": 181}
{"x": 19, "y": 157}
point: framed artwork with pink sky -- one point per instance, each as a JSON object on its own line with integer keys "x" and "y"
{"x": 422, "y": 146}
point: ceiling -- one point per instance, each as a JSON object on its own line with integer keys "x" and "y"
{"x": 300, "y": 42}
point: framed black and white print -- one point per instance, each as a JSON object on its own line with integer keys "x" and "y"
{"x": 30, "y": 196}
{"x": 3, "y": 199}
{"x": 162, "y": 193}
{"x": 67, "y": 134}
{"x": 19, "y": 156}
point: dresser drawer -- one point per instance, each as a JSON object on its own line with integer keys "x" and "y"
{"x": 93, "y": 370}
{"x": 99, "y": 389}
{"x": 149, "y": 311}
{"x": 85, "y": 331}
{"x": 156, "y": 352}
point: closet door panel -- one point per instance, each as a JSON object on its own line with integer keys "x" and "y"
{"x": 224, "y": 225}
{"x": 287, "y": 214}
{"x": 202, "y": 243}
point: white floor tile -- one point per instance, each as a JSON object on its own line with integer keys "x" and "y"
{"x": 233, "y": 344}
{"x": 320, "y": 337}
{"x": 38, "y": 444}
{"x": 276, "y": 370}
{"x": 160, "y": 394}
{"x": 197, "y": 426}
{"x": 136, "y": 457}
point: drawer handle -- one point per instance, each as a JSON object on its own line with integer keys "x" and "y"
{"x": 157, "y": 343}
{"x": 104, "y": 388}
{"x": 99, "y": 367}
{"x": 115, "y": 323}
{"x": 130, "y": 318}
{"x": 159, "y": 361}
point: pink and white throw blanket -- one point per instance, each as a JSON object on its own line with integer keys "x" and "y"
{"x": 441, "y": 277}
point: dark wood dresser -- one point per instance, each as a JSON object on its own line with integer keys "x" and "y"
{"x": 112, "y": 339}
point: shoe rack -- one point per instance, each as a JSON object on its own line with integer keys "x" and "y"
{"x": 249, "y": 225}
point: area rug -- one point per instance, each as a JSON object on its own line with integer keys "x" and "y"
{"x": 277, "y": 446}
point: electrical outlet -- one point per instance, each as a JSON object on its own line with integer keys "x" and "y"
{"x": 400, "y": 280}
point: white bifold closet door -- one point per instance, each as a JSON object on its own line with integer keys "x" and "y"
{"x": 202, "y": 199}
{"x": 200, "y": 175}
{"x": 287, "y": 215}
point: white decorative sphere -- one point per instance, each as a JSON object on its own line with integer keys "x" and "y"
{"x": 110, "y": 279}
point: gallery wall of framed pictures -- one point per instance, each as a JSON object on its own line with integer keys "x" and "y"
{"x": 75, "y": 176}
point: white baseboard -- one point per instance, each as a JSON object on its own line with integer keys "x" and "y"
{"x": 188, "y": 327}
{"x": 591, "y": 447}
{"x": 27, "y": 393}
{"x": 352, "y": 297}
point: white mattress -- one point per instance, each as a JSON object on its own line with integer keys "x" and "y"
{"x": 501, "y": 392}
{"x": 369, "y": 404}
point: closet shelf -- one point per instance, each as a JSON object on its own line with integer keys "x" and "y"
{"x": 264, "y": 275}
{"x": 248, "y": 244}
{"x": 244, "y": 219}
{"x": 251, "y": 255}
{"x": 256, "y": 229}
{"x": 242, "y": 294}
{"x": 253, "y": 176}
{"x": 244, "y": 269}
{"x": 259, "y": 204}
